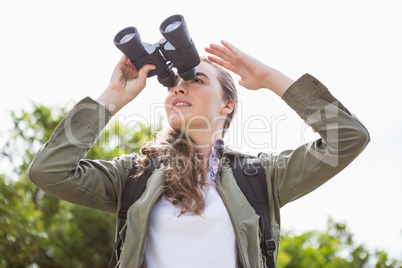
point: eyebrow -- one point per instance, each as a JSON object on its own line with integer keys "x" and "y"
{"x": 202, "y": 74}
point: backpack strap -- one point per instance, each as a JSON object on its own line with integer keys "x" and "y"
{"x": 133, "y": 189}
{"x": 250, "y": 177}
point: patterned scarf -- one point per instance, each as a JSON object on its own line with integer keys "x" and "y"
{"x": 215, "y": 158}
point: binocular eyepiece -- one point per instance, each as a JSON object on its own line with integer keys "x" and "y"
{"x": 176, "y": 49}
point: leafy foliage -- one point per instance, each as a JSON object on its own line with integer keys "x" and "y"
{"x": 332, "y": 248}
{"x": 38, "y": 228}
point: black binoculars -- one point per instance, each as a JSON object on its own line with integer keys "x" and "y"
{"x": 176, "y": 49}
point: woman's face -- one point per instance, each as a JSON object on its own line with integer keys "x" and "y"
{"x": 197, "y": 105}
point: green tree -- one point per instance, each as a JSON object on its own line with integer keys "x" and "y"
{"x": 39, "y": 229}
{"x": 332, "y": 248}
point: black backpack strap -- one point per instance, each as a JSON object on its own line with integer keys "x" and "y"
{"x": 250, "y": 177}
{"x": 133, "y": 189}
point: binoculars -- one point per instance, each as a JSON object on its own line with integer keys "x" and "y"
{"x": 176, "y": 49}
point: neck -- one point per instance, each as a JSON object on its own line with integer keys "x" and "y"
{"x": 203, "y": 142}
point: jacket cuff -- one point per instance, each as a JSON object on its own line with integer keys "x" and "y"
{"x": 90, "y": 113}
{"x": 88, "y": 116}
{"x": 305, "y": 91}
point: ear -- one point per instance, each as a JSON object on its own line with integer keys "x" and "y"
{"x": 228, "y": 108}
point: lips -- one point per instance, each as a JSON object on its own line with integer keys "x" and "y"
{"x": 180, "y": 103}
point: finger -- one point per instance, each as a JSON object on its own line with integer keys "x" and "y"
{"x": 123, "y": 59}
{"x": 215, "y": 49}
{"x": 125, "y": 66}
{"x": 216, "y": 60}
{"x": 220, "y": 51}
{"x": 147, "y": 68}
{"x": 143, "y": 73}
{"x": 219, "y": 61}
{"x": 128, "y": 62}
{"x": 231, "y": 47}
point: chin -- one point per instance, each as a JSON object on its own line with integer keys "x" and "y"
{"x": 182, "y": 122}
{"x": 176, "y": 122}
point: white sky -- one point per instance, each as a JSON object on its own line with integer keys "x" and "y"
{"x": 57, "y": 52}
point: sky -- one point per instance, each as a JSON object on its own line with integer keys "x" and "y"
{"x": 57, "y": 52}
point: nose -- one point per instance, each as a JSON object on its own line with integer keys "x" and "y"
{"x": 180, "y": 87}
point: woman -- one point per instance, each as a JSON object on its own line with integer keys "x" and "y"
{"x": 192, "y": 213}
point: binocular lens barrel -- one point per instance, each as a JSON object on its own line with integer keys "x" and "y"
{"x": 175, "y": 30}
{"x": 129, "y": 42}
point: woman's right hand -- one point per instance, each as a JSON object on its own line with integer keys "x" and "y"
{"x": 125, "y": 84}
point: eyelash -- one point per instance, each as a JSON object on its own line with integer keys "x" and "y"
{"x": 194, "y": 80}
{"x": 197, "y": 80}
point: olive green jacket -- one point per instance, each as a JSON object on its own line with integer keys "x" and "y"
{"x": 61, "y": 169}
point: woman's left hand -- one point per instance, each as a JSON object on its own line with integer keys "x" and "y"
{"x": 253, "y": 73}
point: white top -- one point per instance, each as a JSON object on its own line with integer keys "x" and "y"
{"x": 206, "y": 240}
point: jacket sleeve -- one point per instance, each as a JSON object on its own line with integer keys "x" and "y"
{"x": 295, "y": 173}
{"x": 59, "y": 167}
